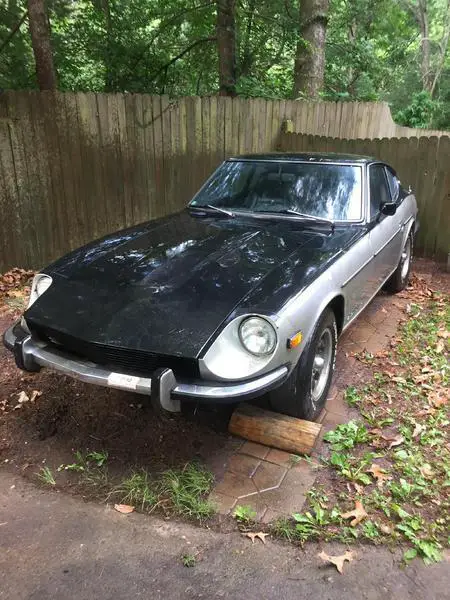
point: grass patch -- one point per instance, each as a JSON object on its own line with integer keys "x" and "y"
{"x": 183, "y": 492}
{"x": 189, "y": 560}
{"x": 46, "y": 476}
{"x": 138, "y": 491}
{"x": 187, "y": 490}
{"x": 392, "y": 467}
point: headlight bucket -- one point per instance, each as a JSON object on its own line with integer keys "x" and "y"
{"x": 41, "y": 283}
{"x": 257, "y": 336}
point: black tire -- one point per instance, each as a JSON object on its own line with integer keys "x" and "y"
{"x": 295, "y": 397}
{"x": 400, "y": 277}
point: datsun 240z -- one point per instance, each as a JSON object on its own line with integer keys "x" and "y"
{"x": 243, "y": 293}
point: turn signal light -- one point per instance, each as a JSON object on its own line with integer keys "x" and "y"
{"x": 295, "y": 340}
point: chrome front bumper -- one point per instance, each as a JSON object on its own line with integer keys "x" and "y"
{"x": 31, "y": 354}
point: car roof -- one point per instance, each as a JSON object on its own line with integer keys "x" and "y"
{"x": 307, "y": 156}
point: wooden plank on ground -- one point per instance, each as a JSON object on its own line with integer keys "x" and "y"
{"x": 273, "y": 429}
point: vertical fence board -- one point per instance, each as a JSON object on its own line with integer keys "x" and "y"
{"x": 23, "y": 149}
{"x": 442, "y": 192}
{"x": 425, "y": 185}
{"x": 10, "y": 224}
{"x": 221, "y": 128}
{"x": 107, "y": 201}
{"x": 159, "y": 200}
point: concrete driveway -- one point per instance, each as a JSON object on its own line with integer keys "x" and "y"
{"x": 55, "y": 546}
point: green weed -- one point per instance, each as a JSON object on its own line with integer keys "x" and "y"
{"x": 46, "y": 476}
{"x": 244, "y": 514}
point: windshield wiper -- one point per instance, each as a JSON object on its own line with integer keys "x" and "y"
{"x": 304, "y": 216}
{"x": 289, "y": 211}
{"x": 216, "y": 208}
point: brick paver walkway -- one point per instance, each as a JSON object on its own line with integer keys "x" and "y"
{"x": 275, "y": 483}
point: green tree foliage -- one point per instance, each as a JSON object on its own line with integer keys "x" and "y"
{"x": 373, "y": 50}
{"x": 420, "y": 112}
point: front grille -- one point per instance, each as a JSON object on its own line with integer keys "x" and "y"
{"x": 123, "y": 360}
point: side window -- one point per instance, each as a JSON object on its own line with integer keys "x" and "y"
{"x": 394, "y": 184}
{"x": 379, "y": 189}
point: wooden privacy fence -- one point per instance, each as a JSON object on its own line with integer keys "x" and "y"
{"x": 422, "y": 163}
{"x": 76, "y": 166}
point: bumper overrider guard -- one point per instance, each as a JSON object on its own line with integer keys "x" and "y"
{"x": 165, "y": 390}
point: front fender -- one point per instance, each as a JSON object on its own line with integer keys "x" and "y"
{"x": 303, "y": 312}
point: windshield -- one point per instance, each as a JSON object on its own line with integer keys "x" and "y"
{"x": 318, "y": 189}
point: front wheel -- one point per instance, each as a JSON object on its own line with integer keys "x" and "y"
{"x": 400, "y": 277}
{"x": 305, "y": 392}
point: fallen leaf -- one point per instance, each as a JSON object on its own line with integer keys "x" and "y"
{"x": 260, "y": 535}
{"x": 35, "y": 394}
{"x": 375, "y": 431}
{"x": 337, "y": 561}
{"x": 399, "y": 380}
{"x": 395, "y": 440}
{"x": 358, "y": 513}
{"x": 380, "y": 475}
{"x": 358, "y": 488}
{"x": 443, "y": 333}
{"x": 440, "y": 346}
{"x": 23, "y": 397}
{"x": 125, "y": 509}
{"x": 386, "y": 529}
{"x": 418, "y": 430}
{"x": 426, "y": 471}
{"x": 437, "y": 401}
{"x": 424, "y": 413}
{"x": 423, "y": 377}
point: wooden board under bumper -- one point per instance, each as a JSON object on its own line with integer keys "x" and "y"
{"x": 273, "y": 429}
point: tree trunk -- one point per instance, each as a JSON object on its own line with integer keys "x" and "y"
{"x": 245, "y": 57}
{"x": 309, "y": 65}
{"x": 226, "y": 46}
{"x": 443, "y": 46}
{"x": 108, "y": 60}
{"x": 40, "y": 39}
{"x": 425, "y": 66}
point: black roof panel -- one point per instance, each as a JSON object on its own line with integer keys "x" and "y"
{"x": 307, "y": 156}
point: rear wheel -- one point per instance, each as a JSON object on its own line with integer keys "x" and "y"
{"x": 305, "y": 392}
{"x": 400, "y": 277}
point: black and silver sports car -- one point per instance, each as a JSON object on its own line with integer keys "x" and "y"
{"x": 243, "y": 293}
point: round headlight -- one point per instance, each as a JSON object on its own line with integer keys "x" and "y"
{"x": 41, "y": 283}
{"x": 258, "y": 336}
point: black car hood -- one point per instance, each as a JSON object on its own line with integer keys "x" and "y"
{"x": 166, "y": 286}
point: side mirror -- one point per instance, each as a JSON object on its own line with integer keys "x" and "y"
{"x": 389, "y": 208}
